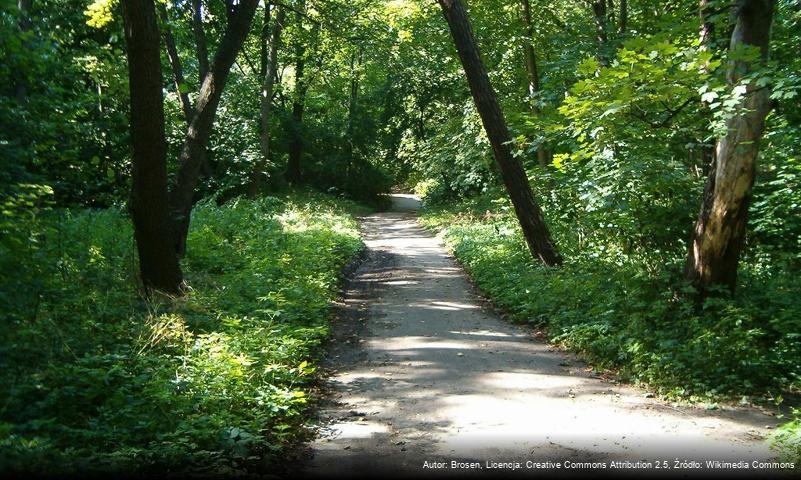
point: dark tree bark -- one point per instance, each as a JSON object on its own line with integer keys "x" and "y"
{"x": 543, "y": 156}
{"x": 706, "y": 42}
{"x": 720, "y": 231}
{"x": 197, "y": 136}
{"x": 158, "y": 263}
{"x": 355, "y": 62}
{"x": 264, "y": 38}
{"x": 175, "y": 65}
{"x": 623, "y": 22}
{"x": 269, "y": 68}
{"x": 514, "y": 177}
{"x": 599, "y": 14}
{"x": 201, "y": 49}
{"x": 293, "y": 168}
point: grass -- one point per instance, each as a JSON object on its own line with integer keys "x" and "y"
{"x": 94, "y": 378}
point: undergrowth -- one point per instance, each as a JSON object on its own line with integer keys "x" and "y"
{"x": 631, "y": 312}
{"x": 94, "y": 378}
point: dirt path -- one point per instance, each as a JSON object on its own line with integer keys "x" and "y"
{"x": 421, "y": 371}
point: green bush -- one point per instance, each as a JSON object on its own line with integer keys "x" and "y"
{"x": 94, "y": 378}
{"x": 623, "y": 314}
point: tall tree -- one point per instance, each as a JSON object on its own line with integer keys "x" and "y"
{"x": 269, "y": 67}
{"x": 201, "y": 49}
{"x": 240, "y": 16}
{"x": 599, "y": 14}
{"x": 293, "y": 169}
{"x": 514, "y": 177}
{"x": 543, "y": 156}
{"x": 353, "y": 100}
{"x": 720, "y": 231}
{"x": 158, "y": 263}
{"x": 175, "y": 65}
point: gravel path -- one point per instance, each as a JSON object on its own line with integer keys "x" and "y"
{"x": 421, "y": 371}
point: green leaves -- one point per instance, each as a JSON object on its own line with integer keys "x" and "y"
{"x": 216, "y": 383}
{"x": 622, "y": 313}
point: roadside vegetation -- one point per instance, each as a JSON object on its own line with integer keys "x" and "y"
{"x": 627, "y": 310}
{"x": 96, "y": 378}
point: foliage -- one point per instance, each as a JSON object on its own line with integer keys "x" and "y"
{"x": 608, "y": 305}
{"x": 94, "y": 378}
{"x": 787, "y": 438}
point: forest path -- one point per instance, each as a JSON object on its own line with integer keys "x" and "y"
{"x": 421, "y": 370}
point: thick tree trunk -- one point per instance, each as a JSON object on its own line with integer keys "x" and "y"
{"x": 514, "y": 177}
{"x": 543, "y": 155}
{"x": 293, "y": 169}
{"x": 158, "y": 263}
{"x": 201, "y": 49}
{"x": 623, "y": 22}
{"x": 269, "y": 68}
{"x": 720, "y": 231}
{"x": 197, "y": 136}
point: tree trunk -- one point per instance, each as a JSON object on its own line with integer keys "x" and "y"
{"x": 269, "y": 68}
{"x": 158, "y": 264}
{"x": 355, "y": 62}
{"x": 179, "y": 80}
{"x": 720, "y": 231}
{"x": 293, "y": 170}
{"x": 197, "y": 136}
{"x": 543, "y": 155}
{"x": 514, "y": 177}
{"x": 201, "y": 49}
{"x": 175, "y": 65}
{"x": 623, "y": 23}
{"x": 599, "y": 14}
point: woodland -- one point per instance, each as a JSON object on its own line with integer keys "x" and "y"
{"x": 181, "y": 182}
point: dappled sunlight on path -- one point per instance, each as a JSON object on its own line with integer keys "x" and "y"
{"x": 421, "y": 370}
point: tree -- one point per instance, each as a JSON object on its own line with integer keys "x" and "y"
{"x": 514, "y": 177}
{"x": 240, "y": 16}
{"x": 158, "y": 263}
{"x": 543, "y": 156}
{"x": 720, "y": 230}
{"x": 269, "y": 55}
{"x": 293, "y": 173}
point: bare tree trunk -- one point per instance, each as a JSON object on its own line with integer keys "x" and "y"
{"x": 201, "y": 49}
{"x": 543, "y": 155}
{"x": 720, "y": 231}
{"x": 197, "y": 136}
{"x": 293, "y": 170}
{"x": 355, "y": 62}
{"x": 269, "y": 67}
{"x": 175, "y": 65}
{"x": 178, "y": 76}
{"x": 514, "y": 177}
{"x": 158, "y": 263}
{"x": 623, "y": 22}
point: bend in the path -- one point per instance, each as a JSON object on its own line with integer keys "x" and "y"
{"x": 423, "y": 372}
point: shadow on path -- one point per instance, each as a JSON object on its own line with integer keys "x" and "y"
{"x": 421, "y": 372}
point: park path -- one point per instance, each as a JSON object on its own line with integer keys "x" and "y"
{"x": 421, "y": 370}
